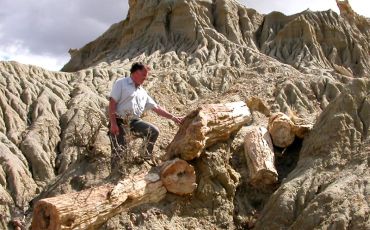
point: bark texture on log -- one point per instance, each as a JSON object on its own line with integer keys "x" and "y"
{"x": 90, "y": 208}
{"x": 178, "y": 177}
{"x": 258, "y": 150}
{"x": 206, "y": 126}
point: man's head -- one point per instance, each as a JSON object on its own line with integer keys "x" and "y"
{"x": 139, "y": 72}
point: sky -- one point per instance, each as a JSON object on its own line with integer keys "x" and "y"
{"x": 40, "y": 32}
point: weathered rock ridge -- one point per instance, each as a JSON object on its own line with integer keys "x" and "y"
{"x": 225, "y": 31}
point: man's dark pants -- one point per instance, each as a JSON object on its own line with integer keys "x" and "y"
{"x": 138, "y": 128}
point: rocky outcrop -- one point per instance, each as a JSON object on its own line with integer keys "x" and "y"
{"x": 307, "y": 41}
{"x": 329, "y": 187}
{"x": 211, "y": 25}
{"x": 316, "y": 40}
{"x": 41, "y": 112}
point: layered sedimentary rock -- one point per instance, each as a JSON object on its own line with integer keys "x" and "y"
{"x": 214, "y": 29}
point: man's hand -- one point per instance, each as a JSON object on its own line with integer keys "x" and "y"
{"x": 162, "y": 112}
{"x": 178, "y": 120}
{"x": 112, "y": 117}
{"x": 114, "y": 129}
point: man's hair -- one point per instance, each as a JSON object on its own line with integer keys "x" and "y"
{"x": 137, "y": 66}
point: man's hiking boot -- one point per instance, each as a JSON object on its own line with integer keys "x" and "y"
{"x": 150, "y": 159}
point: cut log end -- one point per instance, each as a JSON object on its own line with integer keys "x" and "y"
{"x": 45, "y": 216}
{"x": 178, "y": 177}
{"x": 281, "y": 130}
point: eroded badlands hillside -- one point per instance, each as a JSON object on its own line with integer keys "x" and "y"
{"x": 312, "y": 65}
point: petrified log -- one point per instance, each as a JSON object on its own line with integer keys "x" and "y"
{"x": 178, "y": 177}
{"x": 258, "y": 150}
{"x": 281, "y": 130}
{"x": 90, "y": 208}
{"x": 206, "y": 126}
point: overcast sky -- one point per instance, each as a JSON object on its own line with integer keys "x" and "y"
{"x": 40, "y": 32}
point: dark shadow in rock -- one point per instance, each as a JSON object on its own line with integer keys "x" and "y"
{"x": 286, "y": 159}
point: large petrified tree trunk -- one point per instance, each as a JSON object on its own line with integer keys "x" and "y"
{"x": 205, "y": 126}
{"x": 90, "y": 208}
{"x": 258, "y": 150}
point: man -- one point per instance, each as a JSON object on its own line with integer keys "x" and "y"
{"x": 128, "y": 101}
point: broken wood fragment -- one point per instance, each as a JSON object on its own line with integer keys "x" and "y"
{"x": 283, "y": 129}
{"x": 256, "y": 104}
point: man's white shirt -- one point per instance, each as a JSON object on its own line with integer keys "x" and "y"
{"x": 131, "y": 101}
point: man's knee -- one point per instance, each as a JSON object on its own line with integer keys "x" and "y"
{"x": 154, "y": 132}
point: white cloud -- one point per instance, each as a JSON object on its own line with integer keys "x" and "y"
{"x": 41, "y": 32}
{"x": 18, "y": 52}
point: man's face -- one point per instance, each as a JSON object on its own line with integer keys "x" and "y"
{"x": 141, "y": 76}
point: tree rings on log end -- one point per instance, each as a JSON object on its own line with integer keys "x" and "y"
{"x": 178, "y": 177}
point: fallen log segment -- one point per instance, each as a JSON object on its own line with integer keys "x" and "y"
{"x": 90, "y": 208}
{"x": 206, "y": 126}
{"x": 259, "y": 153}
{"x": 283, "y": 130}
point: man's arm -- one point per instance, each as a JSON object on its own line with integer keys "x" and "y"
{"x": 112, "y": 116}
{"x": 162, "y": 112}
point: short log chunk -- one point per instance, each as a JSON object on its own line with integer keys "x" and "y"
{"x": 258, "y": 150}
{"x": 281, "y": 129}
